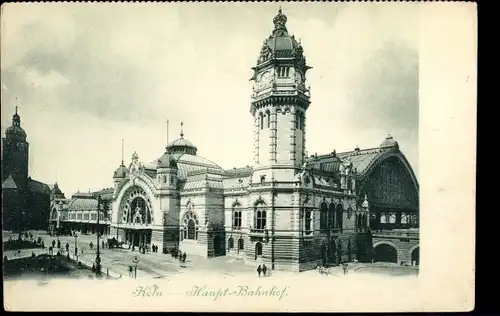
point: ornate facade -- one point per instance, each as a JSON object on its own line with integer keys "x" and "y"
{"x": 287, "y": 210}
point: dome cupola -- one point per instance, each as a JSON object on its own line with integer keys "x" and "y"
{"x": 15, "y": 132}
{"x": 181, "y": 145}
{"x": 280, "y": 44}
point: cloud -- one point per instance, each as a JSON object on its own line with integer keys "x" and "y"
{"x": 89, "y": 74}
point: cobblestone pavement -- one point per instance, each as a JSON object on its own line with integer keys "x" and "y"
{"x": 159, "y": 265}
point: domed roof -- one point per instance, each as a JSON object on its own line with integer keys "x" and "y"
{"x": 167, "y": 161}
{"x": 389, "y": 141}
{"x": 280, "y": 43}
{"x": 181, "y": 145}
{"x": 15, "y": 131}
{"x": 120, "y": 172}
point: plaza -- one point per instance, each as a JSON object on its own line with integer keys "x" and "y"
{"x": 116, "y": 262}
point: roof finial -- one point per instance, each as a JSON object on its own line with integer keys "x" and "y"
{"x": 122, "y": 152}
{"x": 17, "y": 103}
{"x": 167, "y": 133}
{"x": 182, "y": 131}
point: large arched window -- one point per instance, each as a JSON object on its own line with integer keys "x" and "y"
{"x": 236, "y": 216}
{"x": 237, "y": 219}
{"x": 307, "y": 219}
{"x": 331, "y": 215}
{"x": 340, "y": 216}
{"x": 260, "y": 218}
{"x": 323, "y": 216}
{"x": 190, "y": 226}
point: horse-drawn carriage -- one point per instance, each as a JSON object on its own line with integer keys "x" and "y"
{"x": 114, "y": 243}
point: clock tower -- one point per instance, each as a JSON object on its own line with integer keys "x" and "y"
{"x": 15, "y": 152}
{"x": 279, "y": 103}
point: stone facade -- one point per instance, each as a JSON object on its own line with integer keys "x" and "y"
{"x": 287, "y": 210}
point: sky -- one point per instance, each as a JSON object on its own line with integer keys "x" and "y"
{"x": 87, "y": 75}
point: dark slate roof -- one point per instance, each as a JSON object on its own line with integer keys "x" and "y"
{"x": 9, "y": 183}
{"x": 362, "y": 159}
{"x": 38, "y": 187}
{"x": 106, "y": 194}
{"x": 238, "y": 172}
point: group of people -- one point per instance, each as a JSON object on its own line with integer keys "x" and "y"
{"x": 262, "y": 270}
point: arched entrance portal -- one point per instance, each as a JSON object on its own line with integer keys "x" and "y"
{"x": 135, "y": 218}
{"x": 258, "y": 250}
{"x": 385, "y": 253}
{"x": 218, "y": 246}
{"x": 415, "y": 256}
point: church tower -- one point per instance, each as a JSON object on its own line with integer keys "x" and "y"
{"x": 15, "y": 151}
{"x": 279, "y": 103}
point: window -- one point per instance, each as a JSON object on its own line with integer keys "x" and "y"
{"x": 307, "y": 221}
{"x": 230, "y": 243}
{"x": 383, "y": 218}
{"x": 164, "y": 179}
{"x": 331, "y": 215}
{"x": 283, "y": 72}
{"x": 240, "y": 244}
{"x": 261, "y": 219}
{"x": 323, "y": 216}
{"x": 236, "y": 219}
{"x": 392, "y": 218}
{"x": 404, "y": 218}
{"x": 190, "y": 223}
{"x": 299, "y": 121}
{"x": 261, "y": 121}
{"x": 268, "y": 116}
{"x": 340, "y": 216}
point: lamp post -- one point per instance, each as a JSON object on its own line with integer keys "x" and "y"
{"x": 76, "y": 248}
{"x": 135, "y": 261}
{"x": 98, "y": 258}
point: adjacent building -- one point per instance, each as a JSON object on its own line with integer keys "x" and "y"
{"x": 25, "y": 201}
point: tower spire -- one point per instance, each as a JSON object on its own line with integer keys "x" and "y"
{"x": 122, "y": 152}
{"x": 182, "y": 130}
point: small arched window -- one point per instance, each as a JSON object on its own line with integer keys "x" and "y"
{"x": 268, "y": 116}
{"x": 261, "y": 121}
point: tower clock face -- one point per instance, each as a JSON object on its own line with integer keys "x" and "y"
{"x": 265, "y": 78}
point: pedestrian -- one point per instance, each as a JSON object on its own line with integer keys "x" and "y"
{"x": 130, "y": 271}
{"x": 59, "y": 244}
{"x": 43, "y": 245}
{"x": 344, "y": 267}
{"x": 91, "y": 245}
{"x": 67, "y": 247}
{"x": 259, "y": 270}
{"x": 53, "y": 243}
{"x": 184, "y": 257}
{"x": 82, "y": 251}
{"x": 264, "y": 269}
{"x": 103, "y": 244}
